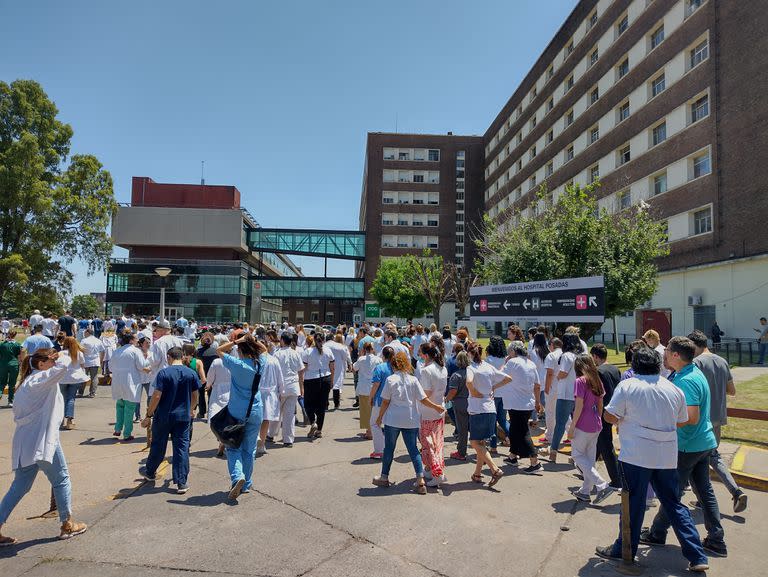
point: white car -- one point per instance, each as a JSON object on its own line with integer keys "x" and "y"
{"x": 309, "y": 328}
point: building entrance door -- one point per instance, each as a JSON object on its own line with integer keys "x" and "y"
{"x": 172, "y": 313}
{"x": 659, "y": 320}
{"x": 704, "y": 318}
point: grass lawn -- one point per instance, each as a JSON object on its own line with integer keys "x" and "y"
{"x": 749, "y": 395}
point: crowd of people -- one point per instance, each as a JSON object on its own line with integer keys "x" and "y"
{"x": 669, "y": 406}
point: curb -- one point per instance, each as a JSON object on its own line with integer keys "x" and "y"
{"x": 748, "y": 480}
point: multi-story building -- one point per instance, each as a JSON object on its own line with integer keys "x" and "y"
{"x": 420, "y": 191}
{"x": 658, "y": 100}
{"x": 663, "y": 102}
{"x": 199, "y": 232}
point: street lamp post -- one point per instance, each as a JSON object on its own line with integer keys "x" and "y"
{"x": 162, "y": 272}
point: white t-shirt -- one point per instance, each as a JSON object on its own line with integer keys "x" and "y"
{"x": 565, "y": 386}
{"x": 364, "y": 366}
{"x": 584, "y": 348}
{"x": 49, "y": 326}
{"x": 541, "y": 369}
{"x": 190, "y": 331}
{"x": 496, "y": 362}
{"x": 550, "y": 363}
{"x": 649, "y": 407}
{"x": 433, "y": 379}
{"x": 404, "y": 394}
{"x": 291, "y": 365}
{"x": 92, "y": 348}
{"x": 518, "y": 394}
{"x": 416, "y": 341}
{"x": 665, "y": 372}
{"x": 35, "y": 320}
{"x": 483, "y": 376}
{"x": 341, "y": 356}
{"x": 398, "y": 347}
{"x": 318, "y": 365}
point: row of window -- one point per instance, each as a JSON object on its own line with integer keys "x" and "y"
{"x": 408, "y": 197}
{"x": 672, "y": 176}
{"x": 182, "y": 283}
{"x": 681, "y": 11}
{"x": 419, "y": 154}
{"x": 408, "y": 241}
{"x": 428, "y": 176}
{"x": 637, "y": 99}
{"x": 459, "y": 249}
{"x": 696, "y": 54}
{"x": 405, "y": 219}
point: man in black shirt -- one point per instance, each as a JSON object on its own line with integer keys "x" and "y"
{"x": 610, "y": 377}
{"x": 67, "y": 324}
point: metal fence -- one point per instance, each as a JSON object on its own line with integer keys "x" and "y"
{"x": 739, "y": 352}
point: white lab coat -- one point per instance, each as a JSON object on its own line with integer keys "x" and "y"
{"x": 75, "y": 371}
{"x": 110, "y": 345}
{"x": 127, "y": 366}
{"x": 270, "y": 385}
{"x": 159, "y": 350}
{"x": 220, "y": 380}
{"x": 38, "y": 409}
{"x": 341, "y": 360}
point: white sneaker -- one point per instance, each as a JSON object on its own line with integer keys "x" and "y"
{"x": 437, "y": 481}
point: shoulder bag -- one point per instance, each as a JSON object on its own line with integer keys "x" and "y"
{"x": 229, "y": 430}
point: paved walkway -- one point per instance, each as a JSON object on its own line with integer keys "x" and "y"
{"x": 742, "y": 374}
{"x": 314, "y": 513}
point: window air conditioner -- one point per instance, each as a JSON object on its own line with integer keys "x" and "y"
{"x": 694, "y": 300}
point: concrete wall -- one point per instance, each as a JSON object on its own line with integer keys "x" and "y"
{"x": 165, "y": 226}
{"x": 738, "y": 289}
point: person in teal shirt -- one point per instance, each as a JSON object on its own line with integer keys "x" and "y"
{"x": 695, "y": 442}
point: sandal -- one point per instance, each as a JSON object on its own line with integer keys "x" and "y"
{"x": 498, "y": 474}
{"x": 477, "y": 478}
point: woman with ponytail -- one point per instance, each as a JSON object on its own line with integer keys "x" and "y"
{"x": 38, "y": 410}
{"x": 72, "y": 380}
{"x": 318, "y": 376}
{"x": 433, "y": 377}
{"x": 585, "y": 428}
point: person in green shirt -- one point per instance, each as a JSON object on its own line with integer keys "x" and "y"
{"x": 10, "y": 351}
{"x": 695, "y": 443}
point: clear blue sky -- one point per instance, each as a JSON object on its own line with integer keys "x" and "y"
{"x": 276, "y": 97}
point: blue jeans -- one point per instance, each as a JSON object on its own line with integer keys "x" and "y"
{"x": 501, "y": 419}
{"x": 24, "y": 477}
{"x": 68, "y": 392}
{"x": 666, "y": 484}
{"x": 694, "y": 467}
{"x": 179, "y": 432}
{"x": 240, "y": 460}
{"x": 390, "y": 441}
{"x": 563, "y": 410}
{"x": 763, "y": 353}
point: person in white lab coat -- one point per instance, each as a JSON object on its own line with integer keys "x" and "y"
{"x": 93, "y": 351}
{"x": 109, "y": 340}
{"x": 293, "y": 385}
{"x": 129, "y": 367}
{"x": 159, "y": 350}
{"x": 342, "y": 363}
{"x": 269, "y": 388}
{"x": 38, "y": 410}
{"x": 218, "y": 383}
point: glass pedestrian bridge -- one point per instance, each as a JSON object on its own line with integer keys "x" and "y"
{"x": 319, "y": 243}
{"x": 311, "y": 288}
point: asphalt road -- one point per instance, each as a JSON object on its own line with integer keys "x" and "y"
{"x": 314, "y": 512}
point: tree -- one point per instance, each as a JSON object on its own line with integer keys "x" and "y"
{"x": 395, "y": 290}
{"x": 461, "y": 282}
{"x": 50, "y": 211}
{"x": 428, "y": 274}
{"x": 572, "y": 238}
{"x": 85, "y": 306}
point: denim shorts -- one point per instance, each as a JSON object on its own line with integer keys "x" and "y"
{"x": 482, "y": 426}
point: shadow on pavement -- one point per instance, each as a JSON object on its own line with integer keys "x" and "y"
{"x": 13, "y": 550}
{"x": 211, "y": 500}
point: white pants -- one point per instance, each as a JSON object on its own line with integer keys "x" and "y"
{"x": 287, "y": 419}
{"x": 584, "y": 452}
{"x": 550, "y": 401}
{"x": 376, "y": 431}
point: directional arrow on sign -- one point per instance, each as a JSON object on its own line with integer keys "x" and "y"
{"x": 475, "y": 305}
{"x": 593, "y": 301}
{"x": 506, "y": 304}
{"x": 525, "y": 304}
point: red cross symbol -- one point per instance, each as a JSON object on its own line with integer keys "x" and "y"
{"x": 581, "y": 302}
{"x": 483, "y": 305}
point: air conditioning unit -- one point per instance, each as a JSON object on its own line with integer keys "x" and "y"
{"x": 694, "y": 300}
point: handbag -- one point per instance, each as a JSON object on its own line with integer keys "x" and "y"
{"x": 226, "y": 428}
